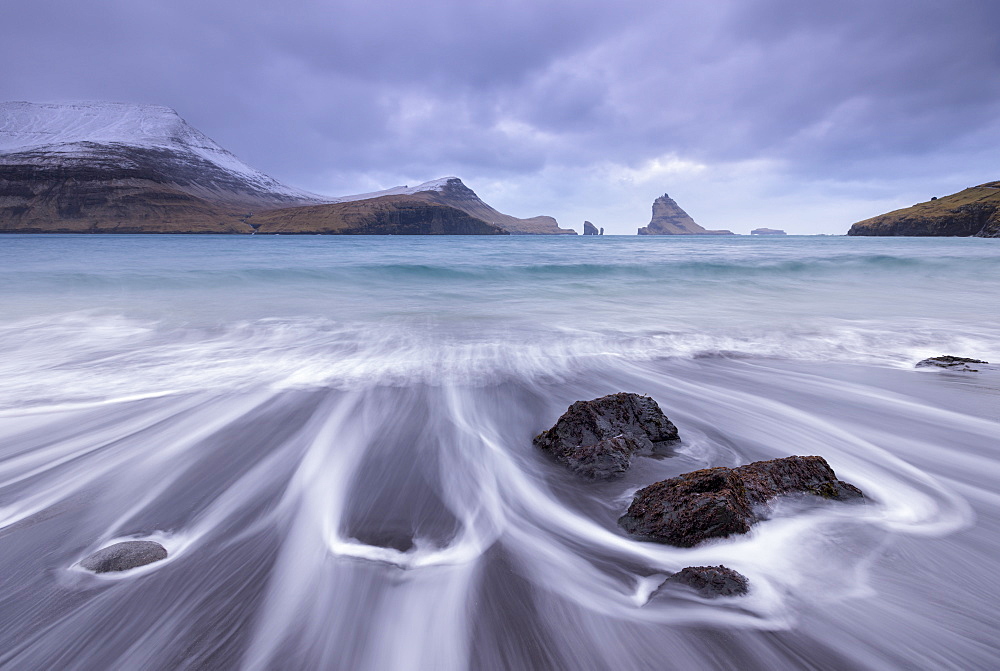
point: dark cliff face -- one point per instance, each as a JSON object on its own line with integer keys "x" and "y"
{"x": 589, "y": 228}
{"x": 669, "y": 219}
{"x": 182, "y": 170}
{"x": 387, "y": 215}
{"x": 105, "y": 200}
{"x": 142, "y": 190}
{"x": 456, "y": 194}
{"x": 972, "y": 212}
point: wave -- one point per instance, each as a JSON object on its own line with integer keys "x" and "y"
{"x": 513, "y": 275}
{"x": 332, "y": 439}
{"x": 82, "y": 357}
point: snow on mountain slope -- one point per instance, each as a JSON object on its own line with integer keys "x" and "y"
{"x": 31, "y": 125}
{"x": 433, "y": 185}
{"x": 133, "y": 136}
{"x": 111, "y": 165}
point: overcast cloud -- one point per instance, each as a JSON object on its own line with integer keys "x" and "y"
{"x": 802, "y": 115}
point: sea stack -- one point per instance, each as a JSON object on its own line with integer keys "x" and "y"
{"x": 669, "y": 219}
{"x": 589, "y": 228}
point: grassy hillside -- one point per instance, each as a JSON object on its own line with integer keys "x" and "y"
{"x": 387, "y": 215}
{"x": 973, "y": 211}
{"x": 46, "y": 201}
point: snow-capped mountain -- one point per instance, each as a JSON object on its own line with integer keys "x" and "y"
{"x": 137, "y": 141}
{"x": 97, "y": 167}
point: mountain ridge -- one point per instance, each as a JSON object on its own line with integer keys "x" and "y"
{"x": 140, "y": 141}
{"x": 94, "y": 167}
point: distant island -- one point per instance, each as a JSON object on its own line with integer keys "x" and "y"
{"x": 123, "y": 168}
{"x": 971, "y": 212}
{"x": 669, "y": 219}
{"x": 767, "y": 231}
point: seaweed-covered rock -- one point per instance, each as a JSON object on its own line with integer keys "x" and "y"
{"x": 718, "y": 502}
{"x": 598, "y": 438}
{"x": 123, "y": 556}
{"x": 710, "y": 581}
{"x": 951, "y": 363}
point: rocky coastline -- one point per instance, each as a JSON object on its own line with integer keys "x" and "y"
{"x": 972, "y": 212}
{"x": 597, "y": 439}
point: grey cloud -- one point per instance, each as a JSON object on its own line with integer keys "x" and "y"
{"x": 326, "y": 95}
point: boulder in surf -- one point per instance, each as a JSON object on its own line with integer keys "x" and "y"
{"x": 952, "y": 363}
{"x": 124, "y": 556}
{"x": 719, "y": 502}
{"x": 709, "y": 581}
{"x": 597, "y": 438}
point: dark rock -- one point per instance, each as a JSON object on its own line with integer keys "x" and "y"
{"x": 602, "y": 231}
{"x": 767, "y": 231}
{"x": 598, "y": 438}
{"x": 951, "y": 363}
{"x": 123, "y": 556}
{"x": 717, "y": 502}
{"x": 710, "y": 581}
{"x": 589, "y": 228}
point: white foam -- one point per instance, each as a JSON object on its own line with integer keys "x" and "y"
{"x": 91, "y": 358}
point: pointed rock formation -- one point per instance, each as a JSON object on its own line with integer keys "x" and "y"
{"x": 589, "y": 228}
{"x": 670, "y": 219}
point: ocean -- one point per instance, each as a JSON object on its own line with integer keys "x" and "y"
{"x": 332, "y": 437}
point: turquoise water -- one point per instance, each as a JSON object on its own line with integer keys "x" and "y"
{"x": 332, "y": 438}
{"x": 321, "y": 309}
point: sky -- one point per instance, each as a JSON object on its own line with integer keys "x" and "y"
{"x": 793, "y": 114}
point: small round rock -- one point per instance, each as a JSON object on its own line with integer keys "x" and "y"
{"x": 124, "y": 556}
